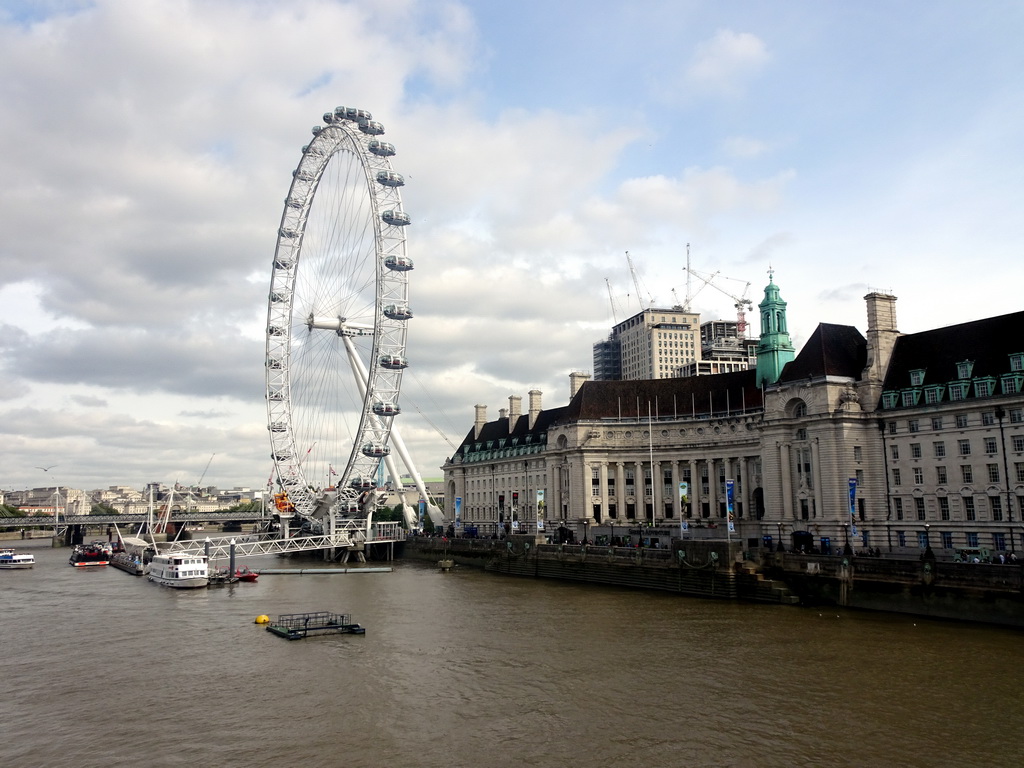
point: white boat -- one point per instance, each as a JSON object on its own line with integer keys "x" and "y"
{"x": 179, "y": 570}
{"x": 9, "y": 560}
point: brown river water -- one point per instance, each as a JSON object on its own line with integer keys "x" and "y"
{"x": 100, "y": 668}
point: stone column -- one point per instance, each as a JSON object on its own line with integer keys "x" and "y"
{"x": 787, "y": 482}
{"x": 657, "y": 483}
{"x": 602, "y": 480}
{"x": 744, "y": 494}
{"x": 712, "y": 488}
{"x": 620, "y": 490}
{"x": 677, "y": 511}
{"x": 816, "y": 474}
{"x": 694, "y": 490}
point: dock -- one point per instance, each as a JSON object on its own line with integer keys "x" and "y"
{"x": 295, "y": 626}
{"x": 305, "y": 571}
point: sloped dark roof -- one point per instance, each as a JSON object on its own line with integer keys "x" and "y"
{"x": 832, "y": 350}
{"x": 988, "y": 343}
{"x": 493, "y": 431}
{"x": 716, "y": 394}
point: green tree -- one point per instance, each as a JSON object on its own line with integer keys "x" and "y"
{"x": 102, "y": 509}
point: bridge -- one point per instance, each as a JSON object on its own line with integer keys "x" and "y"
{"x": 346, "y": 535}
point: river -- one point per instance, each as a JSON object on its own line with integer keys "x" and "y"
{"x": 466, "y": 668}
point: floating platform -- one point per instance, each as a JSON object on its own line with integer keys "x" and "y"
{"x": 304, "y": 571}
{"x": 295, "y": 626}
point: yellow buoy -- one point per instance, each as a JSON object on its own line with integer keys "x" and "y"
{"x": 263, "y": 619}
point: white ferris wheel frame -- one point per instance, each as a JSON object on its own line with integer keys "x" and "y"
{"x": 378, "y": 380}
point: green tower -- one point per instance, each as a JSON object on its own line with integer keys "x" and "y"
{"x": 774, "y": 349}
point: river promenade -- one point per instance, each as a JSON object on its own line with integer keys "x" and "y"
{"x": 978, "y": 592}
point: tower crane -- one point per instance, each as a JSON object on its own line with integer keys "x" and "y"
{"x": 636, "y": 284}
{"x": 741, "y": 302}
{"x": 615, "y": 316}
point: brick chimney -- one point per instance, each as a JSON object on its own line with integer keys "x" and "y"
{"x": 576, "y": 379}
{"x": 881, "y": 337}
{"x": 534, "y": 406}
{"x": 515, "y": 410}
{"x": 480, "y": 420}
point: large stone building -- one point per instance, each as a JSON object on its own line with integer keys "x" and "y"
{"x": 890, "y": 441}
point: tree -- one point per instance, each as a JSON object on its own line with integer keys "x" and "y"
{"x": 102, "y": 509}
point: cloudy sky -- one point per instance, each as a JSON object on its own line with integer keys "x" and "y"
{"x": 146, "y": 147}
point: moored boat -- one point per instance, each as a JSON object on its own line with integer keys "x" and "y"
{"x": 179, "y": 570}
{"x": 128, "y": 562}
{"x": 11, "y": 560}
{"x": 88, "y": 555}
{"x": 244, "y": 574}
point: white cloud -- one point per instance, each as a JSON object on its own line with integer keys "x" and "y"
{"x": 727, "y": 62}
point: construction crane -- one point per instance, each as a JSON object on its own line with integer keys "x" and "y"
{"x": 615, "y": 316}
{"x": 742, "y": 303}
{"x": 636, "y": 284}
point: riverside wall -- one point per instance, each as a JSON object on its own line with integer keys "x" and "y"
{"x": 975, "y": 592}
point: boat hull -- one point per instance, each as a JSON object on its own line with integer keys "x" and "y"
{"x": 193, "y": 582}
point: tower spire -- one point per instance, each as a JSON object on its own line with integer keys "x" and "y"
{"x": 775, "y": 348}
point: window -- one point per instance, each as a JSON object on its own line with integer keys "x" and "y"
{"x": 897, "y": 505}
{"x": 917, "y": 378}
{"x": 940, "y": 475}
{"x": 961, "y": 420}
{"x": 919, "y": 507}
{"x": 1016, "y": 415}
{"x": 969, "y": 511}
{"x": 972, "y": 539}
{"x": 918, "y": 476}
{"x": 998, "y": 541}
{"x": 857, "y": 453}
{"x": 910, "y": 397}
{"x": 913, "y": 425}
{"x": 966, "y": 473}
{"x": 915, "y": 450}
{"x": 939, "y": 449}
{"x": 995, "y": 503}
{"x": 894, "y": 452}
{"x": 801, "y": 434}
{"x": 922, "y": 539}
{"x": 963, "y": 447}
{"x": 860, "y": 479}
{"x": 933, "y": 395}
{"x": 800, "y": 410}
{"x": 984, "y": 387}
{"x": 988, "y": 419}
{"x": 901, "y": 538}
{"x": 1018, "y": 469}
{"x": 990, "y": 445}
{"x": 993, "y": 473}
{"x": 1018, "y": 443}
{"x": 957, "y": 391}
{"x": 889, "y": 400}
{"x": 963, "y": 370}
{"x": 896, "y": 479}
{"x": 943, "y": 508}
{"x": 891, "y": 427}
{"x": 947, "y": 539}
{"x": 936, "y": 422}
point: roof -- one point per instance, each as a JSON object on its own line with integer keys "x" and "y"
{"x": 832, "y": 350}
{"x": 987, "y": 343}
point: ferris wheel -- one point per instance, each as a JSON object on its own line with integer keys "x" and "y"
{"x": 337, "y": 318}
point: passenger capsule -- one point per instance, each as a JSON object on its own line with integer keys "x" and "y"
{"x": 397, "y": 312}
{"x": 393, "y": 362}
{"x": 287, "y": 233}
{"x": 371, "y": 127}
{"x": 277, "y": 426}
{"x": 351, "y": 113}
{"x": 275, "y": 330}
{"x": 315, "y": 130}
{"x": 274, "y": 365}
{"x": 386, "y": 409}
{"x": 328, "y": 117}
{"x": 390, "y": 179}
{"x": 283, "y": 263}
{"x": 398, "y": 263}
{"x": 381, "y": 148}
{"x": 275, "y": 395}
{"x": 362, "y": 483}
{"x": 375, "y": 450}
{"x": 276, "y": 297}
{"x": 396, "y": 218}
{"x": 303, "y": 175}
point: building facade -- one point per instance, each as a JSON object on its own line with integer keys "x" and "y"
{"x": 814, "y": 450}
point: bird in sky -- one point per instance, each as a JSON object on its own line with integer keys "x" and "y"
{"x": 47, "y": 469}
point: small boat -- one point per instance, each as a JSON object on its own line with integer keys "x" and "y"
{"x": 244, "y": 574}
{"x": 180, "y": 571}
{"x": 85, "y": 555}
{"x": 11, "y": 560}
{"x": 221, "y": 576}
{"x": 130, "y": 562}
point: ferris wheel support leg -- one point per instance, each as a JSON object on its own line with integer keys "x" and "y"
{"x": 396, "y": 438}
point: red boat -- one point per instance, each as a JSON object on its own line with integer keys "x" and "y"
{"x": 89, "y": 554}
{"x": 244, "y": 574}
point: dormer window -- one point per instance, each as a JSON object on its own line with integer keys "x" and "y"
{"x": 963, "y": 370}
{"x": 1017, "y": 361}
{"x": 917, "y": 377}
{"x": 984, "y": 387}
{"x": 889, "y": 399}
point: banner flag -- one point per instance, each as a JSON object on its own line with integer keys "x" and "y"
{"x": 458, "y": 513}
{"x": 853, "y": 506}
{"x": 729, "y": 491}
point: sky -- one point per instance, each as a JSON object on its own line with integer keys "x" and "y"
{"x": 146, "y": 147}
